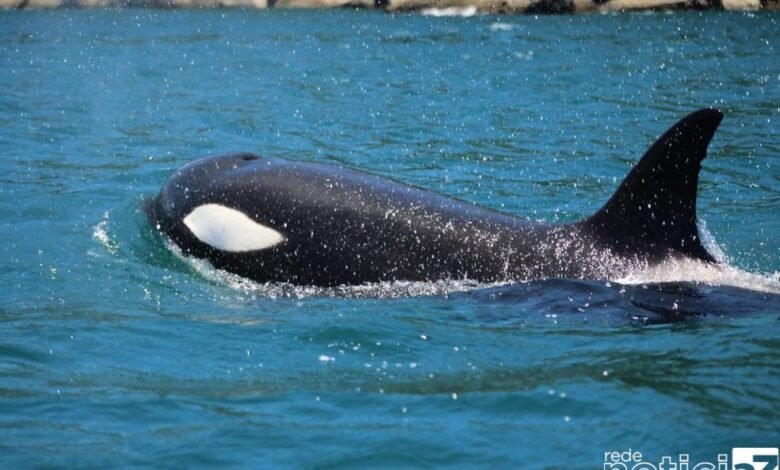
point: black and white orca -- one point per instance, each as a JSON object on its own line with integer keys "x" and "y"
{"x": 275, "y": 220}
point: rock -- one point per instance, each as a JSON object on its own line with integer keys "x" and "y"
{"x": 492, "y": 6}
{"x": 30, "y": 4}
{"x": 324, "y": 3}
{"x": 741, "y": 4}
{"x": 624, "y": 5}
{"x": 431, "y": 7}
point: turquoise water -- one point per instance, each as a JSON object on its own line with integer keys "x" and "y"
{"x": 115, "y": 351}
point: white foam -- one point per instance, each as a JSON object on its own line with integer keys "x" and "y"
{"x": 690, "y": 270}
{"x": 673, "y": 270}
{"x": 100, "y": 234}
{"x": 685, "y": 270}
{"x": 463, "y": 12}
{"x": 708, "y": 240}
{"x": 381, "y": 290}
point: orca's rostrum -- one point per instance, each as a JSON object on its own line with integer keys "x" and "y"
{"x": 275, "y": 220}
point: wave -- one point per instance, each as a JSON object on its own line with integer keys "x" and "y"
{"x": 101, "y": 235}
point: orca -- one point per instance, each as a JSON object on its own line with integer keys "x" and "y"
{"x": 275, "y": 220}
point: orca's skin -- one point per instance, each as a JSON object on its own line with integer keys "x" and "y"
{"x": 275, "y": 220}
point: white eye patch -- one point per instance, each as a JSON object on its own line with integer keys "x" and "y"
{"x": 230, "y": 230}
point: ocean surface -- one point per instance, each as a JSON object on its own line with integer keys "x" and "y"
{"x": 115, "y": 351}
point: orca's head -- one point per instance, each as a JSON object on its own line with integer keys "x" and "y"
{"x": 213, "y": 205}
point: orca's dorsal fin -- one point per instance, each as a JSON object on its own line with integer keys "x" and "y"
{"x": 656, "y": 203}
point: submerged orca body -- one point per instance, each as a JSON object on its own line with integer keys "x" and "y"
{"x": 274, "y": 220}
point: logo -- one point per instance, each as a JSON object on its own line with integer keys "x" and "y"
{"x": 741, "y": 458}
{"x": 754, "y": 458}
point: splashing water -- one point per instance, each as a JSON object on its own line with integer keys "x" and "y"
{"x": 691, "y": 270}
{"x": 380, "y": 290}
{"x": 670, "y": 271}
{"x": 100, "y": 234}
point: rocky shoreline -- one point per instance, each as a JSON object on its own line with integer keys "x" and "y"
{"x": 433, "y": 7}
